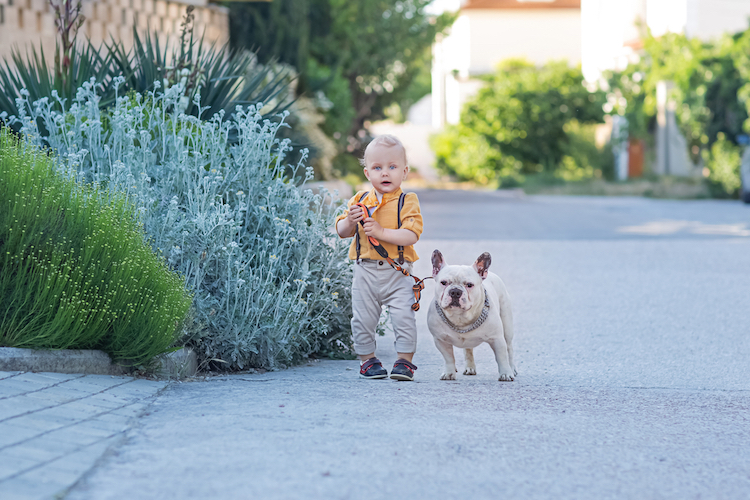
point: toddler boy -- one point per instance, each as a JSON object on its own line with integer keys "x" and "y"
{"x": 375, "y": 282}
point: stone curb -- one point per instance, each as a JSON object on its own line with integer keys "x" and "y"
{"x": 89, "y": 362}
{"x": 175, "y": 365}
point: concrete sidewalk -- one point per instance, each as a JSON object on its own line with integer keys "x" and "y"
{"x": 54, "y": 427}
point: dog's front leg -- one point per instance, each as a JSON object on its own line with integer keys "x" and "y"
{"x": 500, "y": 348}
{"x": 471, "y": 367}
{"x": 446, "y": 350}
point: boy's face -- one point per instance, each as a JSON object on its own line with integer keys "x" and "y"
{"x": 385, "y": 167}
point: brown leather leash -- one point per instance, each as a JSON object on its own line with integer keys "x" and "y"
{"x": 418, "y": 283}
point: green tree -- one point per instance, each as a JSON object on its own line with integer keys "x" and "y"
{"x": 375, "y": 49}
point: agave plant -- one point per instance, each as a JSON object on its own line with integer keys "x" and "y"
{"x": 223, "y": 78}
{"x": 34, "y": 74}
{"x": 72, "y": 67}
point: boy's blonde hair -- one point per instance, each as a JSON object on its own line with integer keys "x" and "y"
{"x": 387, "y": 140}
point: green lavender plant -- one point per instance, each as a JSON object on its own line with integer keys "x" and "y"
{"x": 271, "y": 282}
{"x": 75, "y": 269}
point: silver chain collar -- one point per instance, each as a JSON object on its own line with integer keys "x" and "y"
{"x": 481, "y": 319}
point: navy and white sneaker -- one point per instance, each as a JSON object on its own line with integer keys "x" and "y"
{"x": 372, "y": 368}
{"x": 403, "y": 370}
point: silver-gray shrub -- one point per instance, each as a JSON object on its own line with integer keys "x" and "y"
{"x": 271, "y": 282}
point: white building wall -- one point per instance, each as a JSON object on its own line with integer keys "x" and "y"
{"x": 606, "y": 29}
{"x": 457, "y": 47}
{"x": 707, "y": 19}
{"x": 537, "y": 35}
{"x": 704, "y": 19}
{"x": 665, "y": 16}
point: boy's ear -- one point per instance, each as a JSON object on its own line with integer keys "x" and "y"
{"x": 367, "y": 174}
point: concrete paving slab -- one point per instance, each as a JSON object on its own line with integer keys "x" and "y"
{"x": 110, "y": 426}
{"x": 106, "y": 401}
{"x": 57, "y": 426}
{"x": 42, "y": 422}
{"x": 11, "y": 433}
{"x": 47, "y": 442}
{"x": 67, "y": 412}
{"x": 131, "y": 410}
{"x": 61, "y": 393}
{"x": 35, "y": 453}
{"x": 22, "y": 489}
{"x": 81, "y": 434}
{"x": 83, "y": 406}
{"x": 59, "y": 377}
{"x": 80, "y": 461}
{"x": 91, "y": 385}
{"x": 10, "y": 465}
{"x": 20, "y": 405}
{"x": 54, "y": 396}
{"x": 24, "y": 384}
{"x": 113, "y": 419}
{"x": 47, "y": 378}
{"x": 143, "y": 386}
{"x": 12, "y": 387}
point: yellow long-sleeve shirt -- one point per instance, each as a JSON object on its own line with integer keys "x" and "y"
{"x": 387, "y": 216}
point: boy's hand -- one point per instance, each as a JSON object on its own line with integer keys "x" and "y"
{"x": 356, "y": 214}
{"x": 372, "y": 228}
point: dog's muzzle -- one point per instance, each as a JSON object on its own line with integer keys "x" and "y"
{"x": 455, "y": 295}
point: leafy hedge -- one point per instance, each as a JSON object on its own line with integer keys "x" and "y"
{"x": 75, "y": 270}
{"x": 519, "y": 124}
{"x": 271, "y": 282}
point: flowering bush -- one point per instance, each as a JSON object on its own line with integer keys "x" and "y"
{"x": 271, "y": 283}
{"x": 75, "y": 271}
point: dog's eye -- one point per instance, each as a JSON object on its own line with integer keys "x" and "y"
{"x": 469, "y": 285}
{"x": 444, "y": 283}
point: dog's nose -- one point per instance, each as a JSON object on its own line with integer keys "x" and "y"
{"x": 455, "y": 293}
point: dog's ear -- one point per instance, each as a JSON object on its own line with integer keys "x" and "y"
{"x": 437, "y": 262}
{"x": 482, "y": 265}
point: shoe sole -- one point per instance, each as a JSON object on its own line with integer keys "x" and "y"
{"x": 373, "y": 377}
{"x": 402, "y": 378}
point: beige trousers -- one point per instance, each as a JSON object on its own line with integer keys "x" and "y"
{"x": 377, "y": 284}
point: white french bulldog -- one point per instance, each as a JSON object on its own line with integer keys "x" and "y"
{"x": 471, "y": 306}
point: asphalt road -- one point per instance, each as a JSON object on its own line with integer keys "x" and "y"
{"x": 632, "y": 342}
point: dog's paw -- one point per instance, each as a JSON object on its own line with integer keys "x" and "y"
{"x": 505, "y": 377}
{"x": 448, "y": 376}
{"x": 470, "y": 370}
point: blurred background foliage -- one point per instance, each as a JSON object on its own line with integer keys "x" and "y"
{"x": 536, "y": 124}
{"x": 356, "y": 61}
{"x": 526, "y": 120}
{"x": 710, "y": 89}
